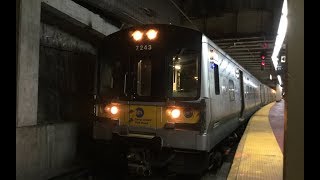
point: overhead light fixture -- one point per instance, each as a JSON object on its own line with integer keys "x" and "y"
{"x": 282, "y": 29}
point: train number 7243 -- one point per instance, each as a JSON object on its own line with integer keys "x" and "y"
{"x": 143, "y": 47}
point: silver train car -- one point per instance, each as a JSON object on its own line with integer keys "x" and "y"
{"x": 168, "y": 96}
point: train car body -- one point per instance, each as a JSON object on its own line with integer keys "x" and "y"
{"x": 278, "y": 93}
{"x": 169, "y": 92}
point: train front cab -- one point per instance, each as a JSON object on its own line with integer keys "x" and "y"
{"x": 152, "y": 95}
{"x": 166, "y": 99}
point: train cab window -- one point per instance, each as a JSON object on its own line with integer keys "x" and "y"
{"x": 106, "y": 77}
{"x": 111, "y": 77}
{"x": 231, "y": 90}
{"x": 185, "y": 74}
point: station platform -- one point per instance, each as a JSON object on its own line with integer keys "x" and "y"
{"x": 260, "y": 152}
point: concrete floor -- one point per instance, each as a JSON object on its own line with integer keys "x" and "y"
{"x": 276, "y": 118}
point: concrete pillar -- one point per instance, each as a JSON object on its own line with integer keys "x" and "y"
{"x": 79, "y": 16}
{"x": 27, "y": 62}
{"x": 294, "y": 87}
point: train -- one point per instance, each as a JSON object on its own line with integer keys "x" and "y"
{"x": 278, "y": 93}
{"x": 167, "y": 96}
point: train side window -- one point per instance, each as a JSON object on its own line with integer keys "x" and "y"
{"x": 111, "y": 77}
{"x": 216, "y": 79}
{"x": 252, "y": 92}
{"x": 255, "y": 92}
{"x": 231, "y": 90}
{"x": 246, "y": 94}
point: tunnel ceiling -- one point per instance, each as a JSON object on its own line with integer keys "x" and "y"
{"x": 242, "y": 28}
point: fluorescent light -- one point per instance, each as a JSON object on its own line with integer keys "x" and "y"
{"x": 282, "y": 29}
{"x": 282, "y": 26}
{"x": 279, "y": 79}
{"x": 270, "y": 77}
{"x": 285, "y": 8}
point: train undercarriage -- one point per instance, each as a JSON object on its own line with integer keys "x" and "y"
{"x": 146, "y": 156}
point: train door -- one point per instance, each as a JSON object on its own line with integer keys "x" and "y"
{"x": 142, "y": 72}
{"x": 241, "y": 94}
{"x": 267, "y": 96}
{"x": 262, "y": 94}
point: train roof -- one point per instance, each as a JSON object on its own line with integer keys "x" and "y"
{"x": 209, "y": 41}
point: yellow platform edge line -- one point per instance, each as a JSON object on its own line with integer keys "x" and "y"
{"x": 251, "y": 165}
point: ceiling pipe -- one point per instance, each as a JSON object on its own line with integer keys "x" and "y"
{"x": 184, "y": 14}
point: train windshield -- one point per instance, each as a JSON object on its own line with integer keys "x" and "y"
{"x": 136, "y": 77}
{"x": 148, "y": 78}
{"x": 185, "y": 74}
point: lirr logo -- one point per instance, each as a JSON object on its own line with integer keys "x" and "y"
{"x": 139, "y": 112}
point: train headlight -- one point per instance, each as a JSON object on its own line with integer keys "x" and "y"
{"x": 175, "y": 113}
{"x": 137, "y": 35}
{"x": 114, "y": 110}
{"x": 152, "y": 34}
